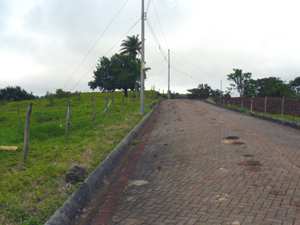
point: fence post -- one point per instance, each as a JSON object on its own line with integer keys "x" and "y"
{"x": 123, "y": 100}
{"x": 106, "y": 106}
{"x": 242, "y": 103}
{"x": 282, "y": 106}
{"x": 136, "y": 95}
{"x": 128, "y": 98}
{"x": 92, "y": 99}
{"x": 113, "y": 100}
{"x": 68, "y": 119}
{"x": 265, "y": 110}
{"x": 133, "y": 96}
{"x": 251, "y": 105}
{"x": 26, "y": 131}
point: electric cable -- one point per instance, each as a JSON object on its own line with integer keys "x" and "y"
{"x": 95, "y": 43}
{"x": 195, "y": 65}
{"x": 106, "y": 53}
{"x": 148, "y": 5}
{"x": 160, "y": 24}
{"x": 156, "y": 40}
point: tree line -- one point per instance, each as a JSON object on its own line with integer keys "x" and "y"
{"x": 248, "y": 87}
{"x": 264, "y": 87}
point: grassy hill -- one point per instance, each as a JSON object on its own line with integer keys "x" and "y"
{"x": 31, "y": 191}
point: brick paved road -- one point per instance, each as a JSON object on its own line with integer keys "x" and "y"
{"x": 192, "y": 177}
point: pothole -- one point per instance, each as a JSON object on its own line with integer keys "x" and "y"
{"x": 248, "y": 155}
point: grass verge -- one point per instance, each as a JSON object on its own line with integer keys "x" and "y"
{"x": 31, "y": 191}
{"x": 288, "y": 118}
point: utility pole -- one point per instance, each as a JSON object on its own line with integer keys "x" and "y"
{"x": 142, "y": 99}
{"x": 168, "y": 73}
{"x": 221, "y": 86}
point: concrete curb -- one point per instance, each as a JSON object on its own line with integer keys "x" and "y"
{"x": 282, "y": 122}
{"x": 72, "y": 208}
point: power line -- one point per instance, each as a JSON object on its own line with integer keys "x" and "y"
{"x": 186, "y": 74}
{"x": 160, "y": 25}
{"x": 156, "y": 40}
{"x": 106, "y": 53}
{"x": 151, "y": 78}
{"x": 196, "y": 66}
{"x": 148, "y": 5}
{"x": 95, "y": 43}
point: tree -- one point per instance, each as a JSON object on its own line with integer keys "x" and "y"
{"x": 272, "y": 87}
{"x": 202, "y": 92}
{"x": 250, "y": 89}
{"x": 118, "y": 72}
{"x": 295, "y": 85}
{"x": 131, "y": 46}
{"x": 15, "y": 93}
{"x": 240, "y": 80}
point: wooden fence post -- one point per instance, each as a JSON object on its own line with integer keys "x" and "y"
{"x": 68, "y": 119}
{"x": 123, "y": 100}
{"x": 19, "y": 116}
{"x": 26, "y": 131}
{"x": 128, "y": 98}
{"x": 113, "y": 100}
{"x": 136, "y": 96}
{"x": 242, "y": 103}
{"x": 251, "y": 105}
{"x": 265, "y": 110}
{"x": 133, "y": 96}
{"x": 282, "y": 105}
{"x": 106, "y": 106}
{"x": 92, "y": 99}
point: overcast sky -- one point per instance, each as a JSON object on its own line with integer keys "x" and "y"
{"x": 42, "y": 42}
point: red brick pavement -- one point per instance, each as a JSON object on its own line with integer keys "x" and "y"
{"x": 188, "y": 173}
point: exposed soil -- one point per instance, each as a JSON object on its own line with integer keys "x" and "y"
{"x": 249, "y": 163}
{"x": 276, "y": 192}
{"x": 212, "y": 177}
{"x": 232, "y": 138}
{"x": 252, "y": 168}
{"x": 233, "y": 142}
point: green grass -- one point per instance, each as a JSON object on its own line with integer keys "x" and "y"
{"x": 31, "y": 191}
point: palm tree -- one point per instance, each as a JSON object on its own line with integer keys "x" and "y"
{"x": 131, "y": 46}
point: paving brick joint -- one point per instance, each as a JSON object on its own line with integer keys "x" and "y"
{"x": 188, "y": 174}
